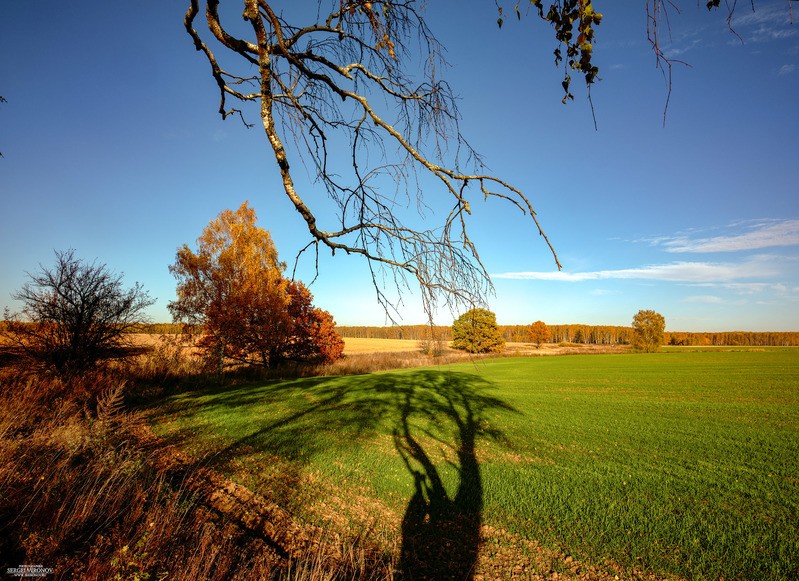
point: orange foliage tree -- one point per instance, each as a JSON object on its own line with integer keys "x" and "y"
{"x": 538, "y": 333}
{"x": 233, "y": 286}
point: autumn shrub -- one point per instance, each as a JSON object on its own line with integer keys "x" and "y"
{"x": 170, "y": 361}
{"x": 433, "y": 343}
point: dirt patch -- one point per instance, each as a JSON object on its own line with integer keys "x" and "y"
{"x": 250, "y": 511}
{"x": 504, "y": 555}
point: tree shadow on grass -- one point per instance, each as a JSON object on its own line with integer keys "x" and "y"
{"x": 441, "y": 533}
{"x": 435, "y": 419}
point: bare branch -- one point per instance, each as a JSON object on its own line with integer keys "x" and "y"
{"x": 351, "y": 78}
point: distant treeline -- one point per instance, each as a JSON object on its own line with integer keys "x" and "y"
{"x": 736, "y": 339}
{"x": 583, "y": 334}
{"x": 146, "y": 328}
{"x": 603, "y": 335}
{"x": 412, "y": 332}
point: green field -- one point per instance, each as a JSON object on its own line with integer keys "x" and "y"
{"x": 678, "y": 463}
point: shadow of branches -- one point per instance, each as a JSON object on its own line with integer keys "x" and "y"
{"x": 435, "y": 420}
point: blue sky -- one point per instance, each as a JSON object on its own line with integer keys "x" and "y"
{"x": 112, "y": 146}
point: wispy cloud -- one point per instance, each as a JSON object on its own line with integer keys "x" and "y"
{"x": 748, "y": 288}
{"x": 756, "y": 236}
{"x": 602, "y": 292}
{"x": 687, "y": 272}
{"x": 786, "y": 70}
{"x": 704, "y": 299}
{"x": 684, "y": 47}
{"x": 773, "y": 15}
{"x": 764, "y": 23}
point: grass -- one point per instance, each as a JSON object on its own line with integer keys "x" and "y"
{"x": 678, "y": 463}
{"x": 82, "y": 496}
{"x": 682, "y": 462}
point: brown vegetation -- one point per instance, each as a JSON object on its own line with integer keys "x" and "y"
{"x": 90, "y": 493}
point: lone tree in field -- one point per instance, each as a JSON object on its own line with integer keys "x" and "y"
{"x": 75, "y": 315}
{"x": 476, "y": 331}
{"x": 648, "y": 329}
{"x": 234, "y": 287}
{"x": 538, "y": 333}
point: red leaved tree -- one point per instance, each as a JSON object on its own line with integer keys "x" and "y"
{"x": 314, "y": 330}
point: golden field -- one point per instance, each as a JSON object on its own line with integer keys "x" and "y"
{"x": 353, "y": 345}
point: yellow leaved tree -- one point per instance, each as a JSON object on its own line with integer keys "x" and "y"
{"x": 648, "y": 331}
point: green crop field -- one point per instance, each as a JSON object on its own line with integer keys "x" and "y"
{"x": 679, "y": 463}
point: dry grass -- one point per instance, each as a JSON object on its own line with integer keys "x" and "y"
{"x": 172, "y": 356}
{"x": 81, "y": 494}
{"x": 526, "y": 349}
{"x": 169, "y": 359}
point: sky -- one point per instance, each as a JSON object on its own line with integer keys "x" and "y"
{"x": 112, "y": 146}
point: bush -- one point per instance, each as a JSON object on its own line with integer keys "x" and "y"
{"x": 75, "y": 316}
